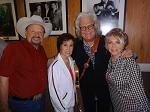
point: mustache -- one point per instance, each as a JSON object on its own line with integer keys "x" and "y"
{"x": 36, "y": 37}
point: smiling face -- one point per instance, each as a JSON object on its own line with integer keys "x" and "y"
{"x": 87, "y": 29}
{"x": 35, "y": 34}
{"x": 116, "y": 42}
{"x": 115, "y": 45}
{"x": 66, "y": 48}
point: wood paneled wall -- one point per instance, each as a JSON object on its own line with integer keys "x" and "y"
{"x": 137, "y": 26}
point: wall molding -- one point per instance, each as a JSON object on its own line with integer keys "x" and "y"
{"x": 144, "y": 67}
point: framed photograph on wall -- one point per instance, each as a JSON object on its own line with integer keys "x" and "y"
{"x": 52, "y": 11}
{"x": 8, "y": 20}
{"x": 110, "y": 13}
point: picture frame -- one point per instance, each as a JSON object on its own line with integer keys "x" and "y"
{"x": 110, "y": 13}
{"x": 8, "y": 20}
{"x": 55, "y": 13}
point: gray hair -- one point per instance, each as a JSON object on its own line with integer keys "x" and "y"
{"x": 87, "y": 14}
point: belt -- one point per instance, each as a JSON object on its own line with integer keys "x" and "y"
{"x": 20, "y": 99}
{"x": 36, "y": 97}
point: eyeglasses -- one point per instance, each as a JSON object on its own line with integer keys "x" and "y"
{"x": 89, "y": 27}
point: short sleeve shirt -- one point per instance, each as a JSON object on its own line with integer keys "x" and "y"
{"x": 26, "y": 68}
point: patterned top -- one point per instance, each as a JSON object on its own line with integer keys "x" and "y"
{"x": 126, "y": 86}
{"x": 88, "y": 51}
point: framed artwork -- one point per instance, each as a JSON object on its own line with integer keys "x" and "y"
{"x": 8, "y": 20}
{"x": 51, "y": 11}
{"x": 110, "y": 13}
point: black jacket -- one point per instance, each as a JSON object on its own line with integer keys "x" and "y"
{"x": 94, "y": 78}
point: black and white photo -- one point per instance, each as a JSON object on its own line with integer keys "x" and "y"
{"x": 52, "y": 11}
{"x": 109, "y": 12}
{"x": 8, "y": 20}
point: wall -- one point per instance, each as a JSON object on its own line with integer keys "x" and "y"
{"x": 137, "y": 26}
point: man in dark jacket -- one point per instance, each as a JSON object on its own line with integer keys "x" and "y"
{"x": 94, "y": 88}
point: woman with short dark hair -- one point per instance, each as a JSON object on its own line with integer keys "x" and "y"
{"x": 61, "y": 76}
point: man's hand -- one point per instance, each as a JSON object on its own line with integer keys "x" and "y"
{"x": 37, "y": 97}
{"x": 127, "y": 53}
{"x": 50, "y": 60}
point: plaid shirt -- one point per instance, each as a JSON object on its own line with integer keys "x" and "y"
{"x": 126, "y": 86}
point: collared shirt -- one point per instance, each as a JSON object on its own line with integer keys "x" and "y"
{"x": 88, "y": 51}
{"x": 26, "y": 68}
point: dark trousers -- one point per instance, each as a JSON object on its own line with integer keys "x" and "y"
{"x": 95, "y": 102}
{"x": 19, "y": 105}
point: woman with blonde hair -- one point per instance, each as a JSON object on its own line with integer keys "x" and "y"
{"x": 124, "y": 76}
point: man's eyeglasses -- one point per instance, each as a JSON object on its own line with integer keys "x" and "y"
{"x": 89, "y": 27}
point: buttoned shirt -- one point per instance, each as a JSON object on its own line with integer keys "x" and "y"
{"x": 26, "y": 68}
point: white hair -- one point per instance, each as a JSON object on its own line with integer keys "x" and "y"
{"x": 87, "y": 14}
